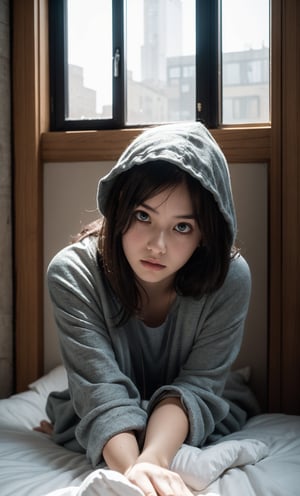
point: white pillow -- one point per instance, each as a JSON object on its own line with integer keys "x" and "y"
{"x": 23, "y": 410}
{"x": 55, "y": 380}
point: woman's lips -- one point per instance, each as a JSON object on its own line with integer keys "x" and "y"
{"x": 152, "y": 264}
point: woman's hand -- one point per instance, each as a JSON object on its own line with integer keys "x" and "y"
{"x": 166, "y": 431}
{"x": 154, "y": 480}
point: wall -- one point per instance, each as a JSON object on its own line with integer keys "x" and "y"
{"x": 69, "y": 202}
{"x": 6, "y": 327}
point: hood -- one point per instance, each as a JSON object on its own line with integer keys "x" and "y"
{"x": 189, "y": 146}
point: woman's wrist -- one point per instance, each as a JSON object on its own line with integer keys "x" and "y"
{"x": 121, "y": 452}
{"x": 148, "y": 455}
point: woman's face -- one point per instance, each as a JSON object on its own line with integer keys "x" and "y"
{"x": 162, "y": 235}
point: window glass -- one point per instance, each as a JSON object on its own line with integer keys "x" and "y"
{"x": 245, "y": 61}
{"x": 89, "y": 48}
{"x": 160, "y": 77}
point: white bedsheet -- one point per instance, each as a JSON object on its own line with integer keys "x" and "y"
{"x": 263, "y": 459}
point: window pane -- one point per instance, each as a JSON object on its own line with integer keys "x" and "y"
{"x": 89, "y": 59}
{"x": 245, "y": 61}
{"x": 160, "y": 79}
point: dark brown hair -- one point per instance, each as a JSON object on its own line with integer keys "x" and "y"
{"x": 203, "y": 273}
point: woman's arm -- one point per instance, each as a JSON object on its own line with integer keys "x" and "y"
{"x": 166, "y": 431}
{"x": 121, "y": 452}
{"x": 104, "y": 395}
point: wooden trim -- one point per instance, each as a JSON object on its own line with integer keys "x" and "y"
{"x": 284, "y": 336}
{"x": 238, "y": 144}
{"x": 275, "y": 219}
{"x": 291, "y": 207}
{"x": 29, "y": 120}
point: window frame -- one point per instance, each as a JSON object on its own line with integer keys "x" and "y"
{"x": 207, "y": 50}
{"x": 59, "y": 73}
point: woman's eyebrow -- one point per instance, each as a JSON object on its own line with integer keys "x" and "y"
{"x": 144, "y": 205}
{"x": 181, "y": 216}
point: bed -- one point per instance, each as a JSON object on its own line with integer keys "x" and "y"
{"x": 262, "y": 459}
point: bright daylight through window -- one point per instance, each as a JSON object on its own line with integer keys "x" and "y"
{"x": 157, "y": 63}
{"x": 245, "y": 61}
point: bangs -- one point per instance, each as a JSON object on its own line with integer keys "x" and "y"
{"x": 141, "y": 183}
{"x": 153, "y": 178}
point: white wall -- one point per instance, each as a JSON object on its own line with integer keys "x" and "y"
{"x": 70, "y": 202}
{"x": 250, "y": 189}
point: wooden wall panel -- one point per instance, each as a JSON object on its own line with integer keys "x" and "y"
{"x": 29, "y": 120}
{"x": 275, "y": 214}
{"x": 291, "y": 206}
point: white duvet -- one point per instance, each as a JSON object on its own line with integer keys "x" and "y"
{"x": 263, "y": 459}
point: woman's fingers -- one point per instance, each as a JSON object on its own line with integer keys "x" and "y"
{"x": 170, "y": 484}
{"x": 157, "y": 481}
{"x": 143, "y": 483}
{"x": 45, "y": 427}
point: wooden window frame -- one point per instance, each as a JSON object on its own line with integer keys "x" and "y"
{"x": 278, "y": 145}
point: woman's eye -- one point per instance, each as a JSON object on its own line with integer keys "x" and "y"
{"x": 183, "y": 228}
{"x": 141, "y": 216}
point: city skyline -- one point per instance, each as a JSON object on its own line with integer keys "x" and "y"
{"x": 147, "y": 61}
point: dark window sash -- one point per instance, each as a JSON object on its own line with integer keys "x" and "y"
{"x": 207, "y": 68}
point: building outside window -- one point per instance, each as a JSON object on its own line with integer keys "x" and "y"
{"x": 160, "y": 64}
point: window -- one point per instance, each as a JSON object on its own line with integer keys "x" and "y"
{"x": 122, "y": 63}
{"x": 245, "y": 61}
{"x": 238, "y": 109}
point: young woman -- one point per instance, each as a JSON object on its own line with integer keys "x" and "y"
{"x": 150, "y": 305}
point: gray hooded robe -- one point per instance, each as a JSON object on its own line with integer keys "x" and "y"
{"x": 188, "y": 357}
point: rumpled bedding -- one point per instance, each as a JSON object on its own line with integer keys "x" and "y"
{"x": 261, "y": 459}
{"x": 198, "y": 468}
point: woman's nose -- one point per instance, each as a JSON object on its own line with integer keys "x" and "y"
{"x": 157, "y": 242}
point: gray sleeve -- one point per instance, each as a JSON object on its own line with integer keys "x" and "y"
{"x": 105, "y": 399}
{"x": 201, "y": 380}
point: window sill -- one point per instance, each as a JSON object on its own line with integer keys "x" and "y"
{"x": 239, "y": 144}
